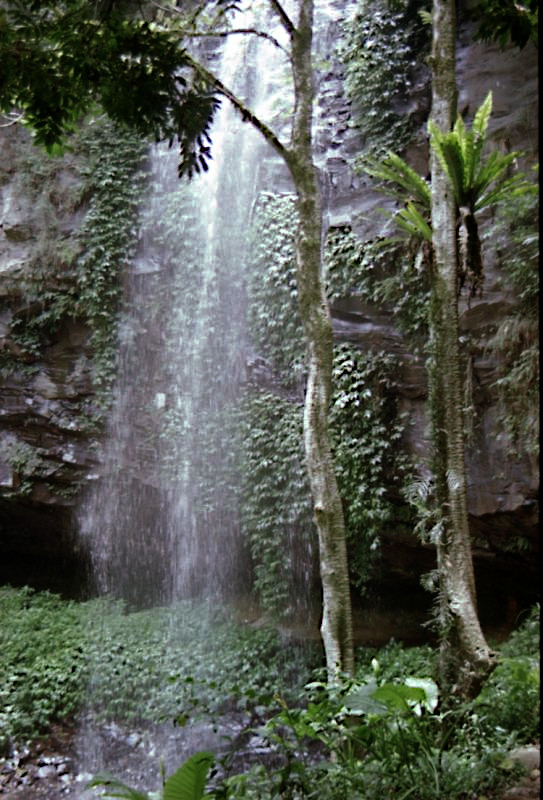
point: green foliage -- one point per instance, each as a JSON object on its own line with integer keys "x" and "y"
{"x": 146, "y": 666}
{"x": 114, "y": 788}
{"x": 43, "y": 665}
{"x": 276, "y": 512}
{"x": 510, "y": 700}
{"x": 382, "y": 272}
{"x": 381, "y": 734}
{"x": 189, "y": 781}
{"x": 366, "y": 431}
{"x": 26, "y": 460}
{"x": 406, "y": 186}
{"x": 383, "y": 46}
{"x": 379, "y": 739}
{"x": 478, "y": 182}
{"x": 114, "y": 180}
{"x": 513, "y": 239}
{"x": 505, "y": 20}
{"x": 366, "y": 437}
{"x": 384, "y": 734}
{"x": 62, "y": 57}
{"x": 274, "y": 321}
{"x": 79, "y": 277}
{"x": 186, "y": 783}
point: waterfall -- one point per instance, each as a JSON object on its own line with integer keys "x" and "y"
{"x": 160, "y": 515}
{"x": 161, "y": 522}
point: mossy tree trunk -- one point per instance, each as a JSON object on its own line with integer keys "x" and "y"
{"x": 336, "y": 627}
{"x": 466, "y": 657}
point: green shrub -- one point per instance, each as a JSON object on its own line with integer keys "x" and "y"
{"x": 150, "y": 665}
{"x": 43, "y": 665}
{"x": 509, "y": 703}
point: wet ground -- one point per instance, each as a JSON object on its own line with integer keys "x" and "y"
{"x": 49, "y": 769}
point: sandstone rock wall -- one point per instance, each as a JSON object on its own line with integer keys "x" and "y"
{"x": 48, "y": 452}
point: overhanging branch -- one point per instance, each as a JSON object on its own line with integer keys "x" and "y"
{"x": 246, "y": 113}
{"x": 283, "y": 16}
{"x": 251, "y": 31}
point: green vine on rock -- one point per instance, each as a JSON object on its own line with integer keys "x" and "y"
{"x": 388, "y": 274}
{"x": 275, "y": 507}
{"x": 514, "y": 237}
{"x": 78, "y": 275}
{"x": 382, "y": 48}
{"x": 114, "y": 179}
{"x": 274, "y": 320}
{"x": 371, "y": 467}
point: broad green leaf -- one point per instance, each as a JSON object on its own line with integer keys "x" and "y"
{"x": 361, "y": 700}
{"x": 189, "y": 782}
{"x": 430, "y": 689}
{"x": 398, "y": 695}
{"x": 116, "y": 788}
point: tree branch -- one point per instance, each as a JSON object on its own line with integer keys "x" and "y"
{"x": 283, "y": 16}
{"x": 252, "y": 31}
{"x": 246, "y": 113}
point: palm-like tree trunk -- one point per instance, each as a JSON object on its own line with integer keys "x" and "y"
{"x": 466, "y": 657}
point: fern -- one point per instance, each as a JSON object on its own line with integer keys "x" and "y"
{"x": 477, "y": 183}
{"x": 114, "y": 788}
{"x": 460, "y": 152}
{"x": 394, "y": 170}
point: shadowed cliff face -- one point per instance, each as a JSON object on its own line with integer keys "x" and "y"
{"x": 50, "y": 451}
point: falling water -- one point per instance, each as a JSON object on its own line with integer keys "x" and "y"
{"x": 157, "y": 521}
{"x": 162, "y": 520}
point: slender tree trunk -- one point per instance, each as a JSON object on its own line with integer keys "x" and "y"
{"x": 466, "y": 657}
{"x": 336, "y": 627}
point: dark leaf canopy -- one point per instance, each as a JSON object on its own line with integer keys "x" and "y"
{"x": 506, "y": 20}
{"x": 59, "y": 58}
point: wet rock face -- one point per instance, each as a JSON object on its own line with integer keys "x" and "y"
{"x": 48, "y": 452}
{"x": 503, "y": 484}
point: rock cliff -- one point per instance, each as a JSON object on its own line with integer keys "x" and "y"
{"x": 49, "y": 421}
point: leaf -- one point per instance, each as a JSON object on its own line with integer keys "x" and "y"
{"x": 188, "y": 783}
{"x": 395, "y": 170}
{"x": 412, "y": 222}
{"x": 361, "y": 700}
{"x": 116, "y": 788}
{"x": 430, "y": 689}
{"x": 482, "y": 116}
{"x": 399, "y": 696}
{"x": 449, "y": 152}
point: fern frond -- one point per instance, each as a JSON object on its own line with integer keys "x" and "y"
{"x": 449, "y": 152}
{"x": 481, "y": 118}
{"x": 413, "y": 223}
{"x": 515, "y": 186}
{"x": 396, "y": 171}
{"x": 491, "y": 171}
{"x": 114, "y": 788}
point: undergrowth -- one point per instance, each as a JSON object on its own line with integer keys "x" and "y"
{"x": 145, "y": 666}
{"x": 384, "y": 733}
